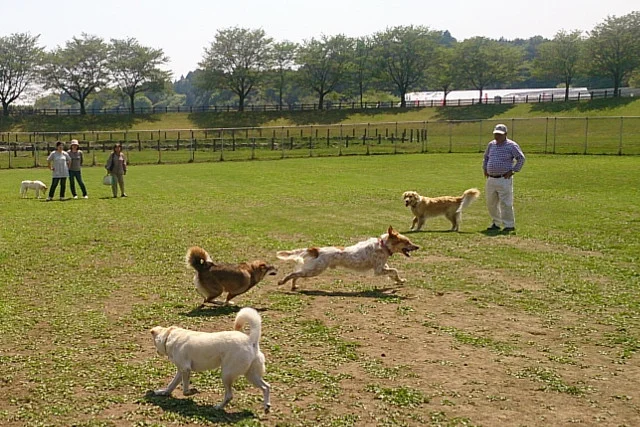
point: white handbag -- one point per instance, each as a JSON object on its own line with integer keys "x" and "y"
{"x": 107, "y": 180}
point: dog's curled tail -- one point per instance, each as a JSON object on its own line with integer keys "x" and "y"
{"x": 197, "y": 258}
{"x": 249, "y": 316}
{"x": 469, "y": 197}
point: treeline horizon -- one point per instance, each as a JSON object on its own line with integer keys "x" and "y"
{"x": 242, "y": 66}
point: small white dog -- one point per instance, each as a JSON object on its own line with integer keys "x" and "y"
{"x": 234, "y": 351}
{"x": 37, "y": 186}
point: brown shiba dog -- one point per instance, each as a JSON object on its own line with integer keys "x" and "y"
{"x": 449, "y": 206}
{"x": 212, "y": 279}
{"x": 371, "y": 254}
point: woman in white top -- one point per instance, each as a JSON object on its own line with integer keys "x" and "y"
{"x": 59, "y": 162}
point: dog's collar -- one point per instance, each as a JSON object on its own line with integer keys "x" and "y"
{"x": 164, "y": 342}
{"x": 384, "y": 247}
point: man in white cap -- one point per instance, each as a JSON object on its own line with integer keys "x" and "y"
{"x": 502, "y": 158}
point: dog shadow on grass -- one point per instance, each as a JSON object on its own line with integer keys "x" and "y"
{"x": 376, "y": 293}
{"x": 436, "y": 232}
{"x": 189, "y": 409}
{"x": 216, "y": 310}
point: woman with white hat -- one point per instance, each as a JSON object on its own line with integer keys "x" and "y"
{"x": 75, "y": 171}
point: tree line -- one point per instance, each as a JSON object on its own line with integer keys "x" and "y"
{"x": 244, "y": 65}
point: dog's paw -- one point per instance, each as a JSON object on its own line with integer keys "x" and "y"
{"x": 401, "y": 281}
{"x": 162, "y": 392}
{"x": 190, "y": 392}
{"x": 267, "y": 408}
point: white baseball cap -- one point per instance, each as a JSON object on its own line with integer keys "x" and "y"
{"x": 501, "y": 129}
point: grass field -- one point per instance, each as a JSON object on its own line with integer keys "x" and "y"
{"x": 537, "y": 328}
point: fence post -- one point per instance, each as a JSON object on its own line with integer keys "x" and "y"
{"x": 222, "y": 146}
{"x": 253, "y": 149}
{"x": 555, "y": 126}
{"x": 450, "y": 135}
{"x": 586, "y": 133}
{"x": 620, "y": 143}
{"x": 546, "y": 134}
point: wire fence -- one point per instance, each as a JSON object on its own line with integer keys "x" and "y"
{"x": 552, "y": 135}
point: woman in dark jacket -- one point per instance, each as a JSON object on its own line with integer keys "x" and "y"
{"x": 117, "y": 167}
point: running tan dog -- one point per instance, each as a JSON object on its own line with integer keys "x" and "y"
{"x": 36, "y": 186}
{"x": 212, "y": 279}
{"x": 371, "y": 254}
{"x": 426, "y": 207}
{"x": 234, "y": 351}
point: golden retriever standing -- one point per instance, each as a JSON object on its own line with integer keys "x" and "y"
{"x": 371, "y": 254}
{"x": 212, "y": 279}
{"x": 234, "y": 351}
{"x": 427, "y": 207}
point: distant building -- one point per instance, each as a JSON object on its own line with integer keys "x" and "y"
{"x": 492, "y": 96}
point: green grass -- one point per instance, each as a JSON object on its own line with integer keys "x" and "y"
{"x": 484, "y": 323}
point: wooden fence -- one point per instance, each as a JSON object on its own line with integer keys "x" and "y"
{"x": 553, "y": 135}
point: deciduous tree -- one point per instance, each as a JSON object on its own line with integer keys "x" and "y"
{"x": 614, "y": 47}
{"x": 560, "y": 59}
{"x": 136, "y": 68}
{"x": 236, "y": 60}
{"x": 444, "y": 76}
{"x": 283, "y": 59}
{"x": 78, "y": 69}
{"x": 481, "y": 62}
{"x": 20, "y": 60}
{"x": 324, "y": 63}
{"x": 404, "y": 56}
{"x": 363, "y": 65}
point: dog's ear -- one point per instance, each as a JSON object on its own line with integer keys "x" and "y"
{"x": 391, "y": 231}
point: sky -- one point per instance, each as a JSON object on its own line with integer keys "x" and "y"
{"x": 184, "y": 30}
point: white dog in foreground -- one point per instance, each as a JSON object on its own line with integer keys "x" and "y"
{"x": 235, "y": 352}
{"x": 37, "y": 186}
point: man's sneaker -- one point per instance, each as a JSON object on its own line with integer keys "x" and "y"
{"x": 49, "y": 199}
{"x": 493, "y": 228}
{"x": 124, "y": 195}
{"x": 509, "y": 230}
{"x": 85, "y": 197}
{"x": 62, "y": 199}
{"x": 75, "y": 197}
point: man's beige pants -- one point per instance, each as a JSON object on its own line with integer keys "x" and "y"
{"x": 499, "y": 195}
